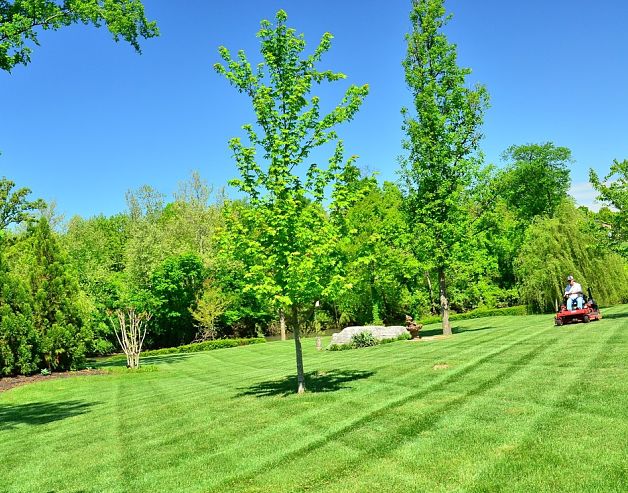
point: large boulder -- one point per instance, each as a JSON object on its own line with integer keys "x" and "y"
{"x": 379, "y": 332}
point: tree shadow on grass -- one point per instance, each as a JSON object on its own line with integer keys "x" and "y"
{"x": 315, "y": 381}
{"x": 455, "y": 330}
{"x": 40, "y": 413}
{"x": 168, "y": 359}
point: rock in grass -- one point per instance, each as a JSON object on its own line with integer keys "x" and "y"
{"x": 379, "y": 332}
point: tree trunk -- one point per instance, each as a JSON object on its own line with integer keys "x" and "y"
{"x": 282, "y": 324}
{"x": 431, "y": 291}
{"x": 299, "y": 351}
{"x": 444, "y": 302}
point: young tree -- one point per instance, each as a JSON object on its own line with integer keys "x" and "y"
{"x": 614, "y": 191}
{"x": 20, "y": 21}
{"x": 130, "y": 329}
{"x": 210, "y": 305}
{"x": 442, "y": 138}
{"x": 289, "y": 127}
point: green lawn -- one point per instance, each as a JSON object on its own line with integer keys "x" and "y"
{"x": 514, "y": 404}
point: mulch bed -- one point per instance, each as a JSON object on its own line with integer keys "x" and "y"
{"x": 7, "y": 383}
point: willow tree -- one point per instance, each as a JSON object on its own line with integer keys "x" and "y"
{"x": 442, "y": 140}
{"x": 285, "y": 188}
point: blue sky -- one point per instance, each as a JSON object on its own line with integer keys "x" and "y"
{"x": 89, "y": 119}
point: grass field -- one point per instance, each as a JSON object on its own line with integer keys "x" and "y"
{"x": 506, "y": 404}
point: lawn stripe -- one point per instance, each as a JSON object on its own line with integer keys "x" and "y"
{"x": 552, "y": 415}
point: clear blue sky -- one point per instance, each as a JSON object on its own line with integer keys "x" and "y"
{"x": 89, "y": 119}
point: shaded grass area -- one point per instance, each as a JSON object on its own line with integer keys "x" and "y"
{"x": 506, "y": 404}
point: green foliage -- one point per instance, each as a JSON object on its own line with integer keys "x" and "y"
{"x": 205, "y": 346}
{"x": 20, "y": 21}
{"x": 14, "y": 207}
{"x": 339, "y": 347}
{"x": 564, "y": 245}
{"x": 174, "y": 288}
{"x": 210, "y": 305}
{"x": 40, "y": 316}
{"x": 375, "y": 251}
{"x": 442, "y": 138}
{"x": 363, "y": 339}
{"x": 55, "y": 292}
{"x": 406, "y": 336}
{"x": 535, "y": 180}
{"x": 613, "y": 190}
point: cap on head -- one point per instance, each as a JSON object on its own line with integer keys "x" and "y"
{"x": 570, "y": 278}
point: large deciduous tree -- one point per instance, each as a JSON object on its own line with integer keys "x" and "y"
{"x": 442, "y": 140}
{"x": 535, "y": 180}
{"x": 21, "y": 20}
{"x": 293, "y": 235}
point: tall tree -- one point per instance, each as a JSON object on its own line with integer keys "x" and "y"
{"x": 442, "y": 140}
{"x": 613, "y": 190}
{"x": 289, "y": 127}
{"x": 20, "y": 21}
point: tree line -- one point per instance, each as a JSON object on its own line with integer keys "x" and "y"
{"x": 306, "y": 246}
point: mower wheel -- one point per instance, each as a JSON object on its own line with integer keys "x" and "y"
{"x": 559, "y": 322}
{"x": 586, "y": 319}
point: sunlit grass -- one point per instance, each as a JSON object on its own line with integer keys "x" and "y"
{"x": 506, "y": 404}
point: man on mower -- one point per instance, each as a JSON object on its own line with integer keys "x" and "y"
{"x": 573, "y": 291}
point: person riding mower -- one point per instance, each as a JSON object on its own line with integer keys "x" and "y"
{"x": 575, "y": 308}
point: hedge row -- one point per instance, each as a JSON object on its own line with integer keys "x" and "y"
{"x": 479, "y": 313}
{"x": 204, "y": 346}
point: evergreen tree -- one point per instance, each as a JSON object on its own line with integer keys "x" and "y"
{"x": 54, "y": 292}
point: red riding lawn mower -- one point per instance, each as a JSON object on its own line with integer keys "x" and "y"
{"x": 588, "y": 312}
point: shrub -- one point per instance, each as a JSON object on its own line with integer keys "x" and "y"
{"x": 339, "y": 347}
{"x": 363, "y": 339}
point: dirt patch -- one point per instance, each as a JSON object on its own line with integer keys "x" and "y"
{"x": 7, "y": 383}
{"x": 440, "y": 366}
